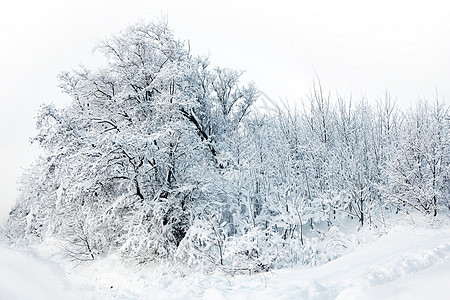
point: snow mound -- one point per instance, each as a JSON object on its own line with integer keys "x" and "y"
{"x": 403, "y": 264}
{"x": 24, "y": 276}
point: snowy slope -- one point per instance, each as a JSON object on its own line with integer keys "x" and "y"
{"x": 24, "y": 276}
{"x": 403, "y": 264}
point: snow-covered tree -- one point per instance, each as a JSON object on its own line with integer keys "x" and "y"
{"x": 128, "y": 158}
{"x": 418, "y": 173}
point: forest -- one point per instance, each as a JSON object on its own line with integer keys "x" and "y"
{"x": 161, "y": 156}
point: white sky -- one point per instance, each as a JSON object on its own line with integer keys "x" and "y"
{"x": 355, "y": 46}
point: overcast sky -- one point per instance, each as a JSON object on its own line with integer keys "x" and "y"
{"x": 356, "y": 47}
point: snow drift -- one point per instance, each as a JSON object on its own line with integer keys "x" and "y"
{"x": 406, "y": 263}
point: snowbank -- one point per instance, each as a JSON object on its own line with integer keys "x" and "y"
{"x": 24, "y": 276}
{"x": 404, "y": 264}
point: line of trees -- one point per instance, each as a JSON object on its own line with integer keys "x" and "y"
{"x": 160, "y": 157}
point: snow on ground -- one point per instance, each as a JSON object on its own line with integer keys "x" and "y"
{"x": 25, "y": 276}
{"x": 406, "y": 263}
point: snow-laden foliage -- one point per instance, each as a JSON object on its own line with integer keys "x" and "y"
{"x": 126, "y": 164}
{"x": 159, "y": 157}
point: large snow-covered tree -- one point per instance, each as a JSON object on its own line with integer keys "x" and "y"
{"x": 126, "y": 161}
